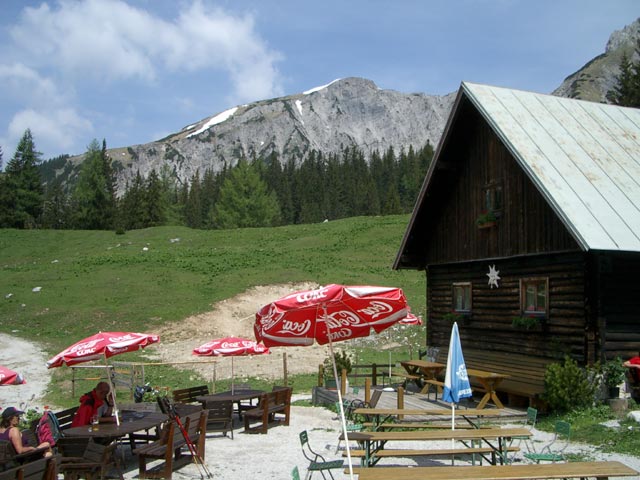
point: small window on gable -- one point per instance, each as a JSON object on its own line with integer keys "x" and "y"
{"x": 534, "y": 296}
{"x": 493, "y": 198}
{"x": 462, "y": 297}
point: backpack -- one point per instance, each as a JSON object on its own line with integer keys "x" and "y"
{"x": 48, "y": 429}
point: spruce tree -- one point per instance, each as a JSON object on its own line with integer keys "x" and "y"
{"x": 92, "y": 196}
{"x": 21, "y": 195}
{"x": 245, "y": 200}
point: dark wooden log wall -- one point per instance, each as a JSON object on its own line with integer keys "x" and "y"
{"x": 617, "y": 288}
{"x": 527, "y": 224}
{"x": 489, "y": 325}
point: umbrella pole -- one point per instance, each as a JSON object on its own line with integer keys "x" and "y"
{"x": 232, "y": 387}
{"x": 112, "y": 390}
{"x": 339, "y": 388}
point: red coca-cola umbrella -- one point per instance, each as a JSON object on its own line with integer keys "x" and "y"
{"x": 410, "y": 320}
{"x": 230, "y": 347}
{"x": 9, "y": 377}
{"x": 330, "y": 314}
{"x": 102, "y": 345}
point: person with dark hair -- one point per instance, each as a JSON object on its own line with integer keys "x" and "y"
{"x": 98, "y": 404}
{"x": 10, "y": 431}
{"x": 633, "y": 376}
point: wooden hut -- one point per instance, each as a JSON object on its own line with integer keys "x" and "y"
{"x": 528, "y": 228}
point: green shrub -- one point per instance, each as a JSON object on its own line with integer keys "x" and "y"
{"x": 567, "y": 386}
{"x": 343, "y": 361}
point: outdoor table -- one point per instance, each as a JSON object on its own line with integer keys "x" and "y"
{"x": 601, "y": 470}
{"x": 423, "y": 369}
{"x": 131, "y": 422}
{"x": 382, "y": 415}
{"x": 237, "y": 397}
{"x": 489, "y": 381}
{"x": 372, "y": 442}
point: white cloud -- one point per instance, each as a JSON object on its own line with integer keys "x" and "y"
{"x": 112, "y": 40}
{"x": 57, "y": 129}
{"x": 25, "y": 84}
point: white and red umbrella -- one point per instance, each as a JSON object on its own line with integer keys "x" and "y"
{"x": 9, "y": 377}
{"x": 330, "y": 314}
{"x": 102, "y": 345}
{"x": 230, "y": 347}
{"x": 411, "y": 320}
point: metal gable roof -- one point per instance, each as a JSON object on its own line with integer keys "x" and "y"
{"x": 584, "y": 158}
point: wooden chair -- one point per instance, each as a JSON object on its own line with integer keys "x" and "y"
{"x": 554, "y": 450}
{"x": 220, "y": 416}
{"x": 95, "y": 462}
{"x": 317, "y": 462}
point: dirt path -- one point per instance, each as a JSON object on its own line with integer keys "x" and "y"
{"x": 235, "y": 317}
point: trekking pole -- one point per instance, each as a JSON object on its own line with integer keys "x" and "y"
{"x": 169, "y": 409}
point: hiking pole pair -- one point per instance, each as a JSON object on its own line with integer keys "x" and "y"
{"x": 169, "y": 409}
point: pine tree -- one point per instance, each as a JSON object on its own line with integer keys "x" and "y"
{"x": 193, "y": 207}
{"x": 92, "y": 197}
{"x": 626, "y": 91}
{"x": 154, "y": 201}
{"x": 245, "y": 200}
{"x": 57, "y": 208}
{"x": 21, "y": 194}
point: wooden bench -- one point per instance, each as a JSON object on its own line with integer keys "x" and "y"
{"x": 169, "y": 447}
{"x": 480, "y": 451}
{"x": 276, "y": 402}
{"x": 188, "y": 395}
{"x": 41, "y": 469}
{"x": 526, "y": 373}
{"x": 491, "y": 472}
{"x": 65, "y": 417}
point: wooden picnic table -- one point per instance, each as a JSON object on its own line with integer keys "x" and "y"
{"x": 382, "y": 415}
{"x": 237, "y": 397}
{"x": 489, "y": 381}
{"x": 601, "y": 470}
{"x": 373, "y": 442}
{"x": 131, "y": 422}
{"x": 423, "y": 370}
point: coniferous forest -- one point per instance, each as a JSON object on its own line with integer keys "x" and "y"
{"x": 261, "y": 192}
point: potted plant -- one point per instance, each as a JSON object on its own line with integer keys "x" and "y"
{"x": 526, "y": 322}
{"x": 613, "y": 375}
{"x": 486, "y": 219}
{"x": 343, "y": 361}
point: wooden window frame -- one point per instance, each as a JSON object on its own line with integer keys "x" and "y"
{"x": 524, "y": 282}
{"x": 453, "y": 297}
{"x": 493, "y": 197}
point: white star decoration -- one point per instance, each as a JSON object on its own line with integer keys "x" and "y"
{"x": 493, "y": 276}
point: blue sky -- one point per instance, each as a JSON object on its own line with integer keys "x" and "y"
{"x": 133, "y": 71}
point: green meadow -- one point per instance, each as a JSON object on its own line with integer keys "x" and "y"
{"x": 97, "y": 280}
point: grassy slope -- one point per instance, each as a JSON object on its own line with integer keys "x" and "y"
{"x": 101, "y": 281}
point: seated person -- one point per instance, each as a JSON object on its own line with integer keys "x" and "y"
{"x": 96, "y": 403}
{"x": 633, "y": 376}
{"x": 10, "y": 431}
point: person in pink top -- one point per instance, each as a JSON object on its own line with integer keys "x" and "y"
{"x": 9, "y": 430}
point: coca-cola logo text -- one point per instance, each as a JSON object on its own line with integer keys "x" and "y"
{"x": 376, "y": 308}
{"x": 311, "y": 295}
{"x": 342, "y": 318}
{"x": 297, "y": 329}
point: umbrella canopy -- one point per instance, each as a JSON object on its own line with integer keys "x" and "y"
{"x": 102, "y": 345}
{"x": 230, "y": 347}
{"x": 411, "y": 319}
{"x": 330, "y": 314}
{"x": 305, "y": 317}
{"x": 456, "y": 380}
{"x": 9, "y": 377}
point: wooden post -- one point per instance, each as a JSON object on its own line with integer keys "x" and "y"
{"x": 374, "y": 374}
{"x": 400, "y": 401}
{"x": 320, "y": 375}
{"x": 284, "y": 369}
{"x": 343, "y": 382}
{"x": 367, "y": 390}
